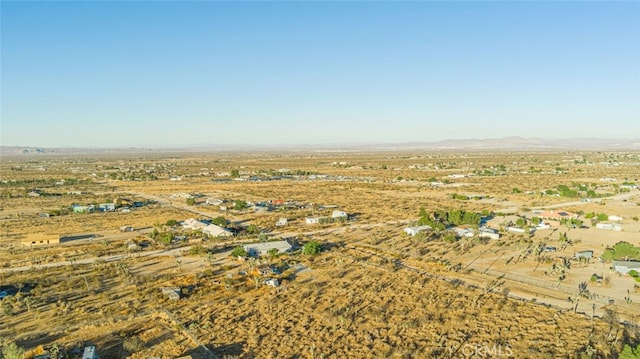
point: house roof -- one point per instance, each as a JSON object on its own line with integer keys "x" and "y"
{"x": 628, "y": 264}
{"x": 281, "y": 246}
{"x": 216, "y": 231}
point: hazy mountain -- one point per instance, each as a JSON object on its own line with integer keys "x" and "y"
{"x": 505, "y": 143}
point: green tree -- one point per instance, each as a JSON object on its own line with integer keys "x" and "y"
{"x": 273, "y": 252}
{"x": 312, "y": 248}
{"x": 602, "y": 217}
{"x": 239, "y": 251}
{"x": 171, "y": 222}
{"x": 220, "y": 221}
{"x": 11, "y": 350}
{"x": 239, "y": 205}
{"x": 191, "y": 201}
{"x": 235, "y": 173}
{"x": 629, "y": 353}
{"x": 520, "y": 222}
{"x": 535, "y": 221}
{"x": 253, "y": 229}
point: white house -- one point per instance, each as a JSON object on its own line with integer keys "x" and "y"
{"x": 485, "y": 232}
{"x": 89, "y": 352}
{"x": 282, "y": 222}
{"x": 615, "y": 218}
{"x": 339, "y": 214}
{"x": 515, "y": 230}
{"x": 312, "y": 220}
{"x": 412, "y": 231}
{"x": 213, "y": 201}
{"x": 263, "y": 248}
{"x": 625, "y": 266}
{"x": 609, "y": 226}
{"x": 463, "y": 232}
{"x": 216, "y": 231}
{"x": 193, "y": 223}
{"x": 588, "y": 254}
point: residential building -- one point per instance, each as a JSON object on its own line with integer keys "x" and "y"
{"x": 609, "y": 226}
{"x": 216, "y": 231}
{"x": 38, "y": 239}
{"x": 263, "y": 248}
{"x": 339, "y": 214}
{"x": 588, "y": 254}
{"x": 412, "y": 231}
{"x": 624, "y": 267}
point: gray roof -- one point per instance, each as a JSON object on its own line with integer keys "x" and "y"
{"x": 628, "y": 264}
{"x": 262, "y": 247}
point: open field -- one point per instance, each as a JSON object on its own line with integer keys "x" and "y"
{"x": 374, "y": 291}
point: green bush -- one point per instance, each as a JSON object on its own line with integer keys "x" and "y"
{"x": 12, "y": 351}
{"x": 633, "y": 273}
{"x": 239, "y": 251}
{"x": 312, "y": 248}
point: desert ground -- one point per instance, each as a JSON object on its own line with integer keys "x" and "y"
{"x": 372, "y": 291}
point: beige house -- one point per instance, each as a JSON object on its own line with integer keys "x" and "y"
{"x": 40, "y": 239}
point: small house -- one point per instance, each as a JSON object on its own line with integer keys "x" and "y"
{"x": 192, "y": 223}
{"x": 107, "y": 207}
{"x": 38, "y": 239}
{"x": 282, "y": 222}
{"x": 615, "y": 218}
{"x": 609, "y": 226}
{"x": 171, "y": 293}
{"x": 515, "y": 230}
{"x": 463, "y": 232}
{"x": 263, "y": 248}
{"x": 624, "y": 267}
{"x": 312, "y": 220}
{"x": 588, "y": 254}
{"x": 339, "y": 214}
{"x": 216, "y": 231}
{"x": 83, "y": 209}
{"x": 273, "y": 282}
{"x": 127, "y": 229}
{"x": 412, "y": 231}
{"x": 89, "y": 352}
{"x": 485, "y": 232}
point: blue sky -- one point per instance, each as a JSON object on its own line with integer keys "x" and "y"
{"x": 110, "y": 74}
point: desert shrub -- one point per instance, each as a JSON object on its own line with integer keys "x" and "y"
{"x": 11, "y": 350}
{"x": 197, "y": 250}
{"x": 633, "y": 273}
{"x": 133, "y": 344}
{"x": 171, "y": 222}
{"x": 239, "y": 251}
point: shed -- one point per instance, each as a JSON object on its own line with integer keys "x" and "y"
{"x": 588, "y": 254}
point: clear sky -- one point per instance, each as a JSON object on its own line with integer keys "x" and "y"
{"x": 111, "y": 74}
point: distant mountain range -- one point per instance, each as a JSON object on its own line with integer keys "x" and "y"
{"x": 513, "y": 143}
